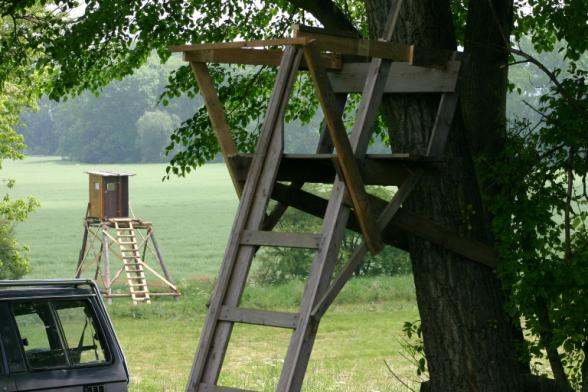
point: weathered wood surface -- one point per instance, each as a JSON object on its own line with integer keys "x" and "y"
{"x": 242, "y": 44}
{"x": 345, "y": 152}
{"x": 259, "y": 317}
{"x": 319, "y": 168}
{"x": 403, "y": 78}
{"x": 216, "y": 113}
{"x": 276, "y": 239}
{"x": 348, "y": 46}
{"x": 402, "y": 223}
{"x": 271, "y": 57}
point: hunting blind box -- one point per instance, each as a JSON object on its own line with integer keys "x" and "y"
{"x": 109, "y": 194}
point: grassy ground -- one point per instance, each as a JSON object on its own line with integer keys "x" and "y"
{"x": 192, "y": 218}
{"x": 355, "y": 338}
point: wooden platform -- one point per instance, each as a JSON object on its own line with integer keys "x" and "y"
{"x": 376, "y": 169}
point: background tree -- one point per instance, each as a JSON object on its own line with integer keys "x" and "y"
{"x": 153, "y": 130}
{"x": 18, "y": 90}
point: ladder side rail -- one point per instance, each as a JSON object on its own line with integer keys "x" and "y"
{"x": 333, "y": 229}
{"x": 292, "y": 56}
{"x": 262, "y": 196}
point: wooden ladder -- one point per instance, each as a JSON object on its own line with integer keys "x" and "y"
{"x": 133, "y": 263}
{"x": 252, "y": 225}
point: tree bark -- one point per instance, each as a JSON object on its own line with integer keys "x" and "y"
{"x": 467, "y": 336}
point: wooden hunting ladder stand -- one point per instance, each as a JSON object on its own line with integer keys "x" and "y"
{"x": 383, "y": 67}
{"x": 131, "y": 241}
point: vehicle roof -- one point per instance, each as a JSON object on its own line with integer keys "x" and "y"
{"x": 25, "y": 289}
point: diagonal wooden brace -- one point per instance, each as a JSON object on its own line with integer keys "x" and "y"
{"x": 345, "y": 155}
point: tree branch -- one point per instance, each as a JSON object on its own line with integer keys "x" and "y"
{"x": 552, "y": 77}
{"x": 327, "y": 13}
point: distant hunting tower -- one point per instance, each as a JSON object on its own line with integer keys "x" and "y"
{"x": 109, "y": 232}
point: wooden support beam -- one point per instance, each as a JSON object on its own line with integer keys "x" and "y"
{"x": 403, "y": 222}
{"x": 327, "y": 43}
{"x": 259, "y": 317}
{"x": 318, "y": 168}
{"x": 402, "y": 78}
{"x": 275, "y": 238}
{"x": 345, "y": 153}
{"x": 216, "y": 113}
{"x": 442, "y": 125}
{"x": 271, "y": 57}
{"x": 242, "y": 44}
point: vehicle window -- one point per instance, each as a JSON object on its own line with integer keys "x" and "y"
{"x": 79, "y": 328}
{"x": 39, "y": 335}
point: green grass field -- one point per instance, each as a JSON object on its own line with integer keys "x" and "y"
{"x": 192, "y": 218}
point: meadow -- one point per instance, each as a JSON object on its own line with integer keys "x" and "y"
{"x": 192, "y": 217}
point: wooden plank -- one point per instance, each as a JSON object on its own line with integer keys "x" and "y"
{"x": 402, "y": 78}
{"x": 442, "y": 125}
{"x": 360, "y": 47}
{"x": 439, "y": 235}
{"x": 253, "y": 203}
{"x": 241, "y": 44}
{"x": 216, "y": 113}
{"x": 350, "y": 46}
{"x": 259, "y": 317}
{"x": 274, "y": 238}
{"x": 375, "y": 170}
{"x": 345, "y": 153}
{"x": 271, "y": 57}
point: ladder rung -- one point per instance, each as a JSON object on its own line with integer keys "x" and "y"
{"x": 273, "y": 238}
{"x": 215, "y": 388}
{"x": 259, "y": 317}
{"x": 135, "y": 292}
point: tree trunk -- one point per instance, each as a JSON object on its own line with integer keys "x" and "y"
{"x": 466, "y": 333}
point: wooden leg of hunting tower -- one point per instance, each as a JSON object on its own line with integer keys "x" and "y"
{"x": 106, "y": 254}
{"x": 151, "y": 235}
{"x": 82, "y": 256}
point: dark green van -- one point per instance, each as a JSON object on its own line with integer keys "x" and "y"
{"x": 55, "y": 335}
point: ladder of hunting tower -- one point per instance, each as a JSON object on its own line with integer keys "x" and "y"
{"x": 132, "y": 261}
{"x": 349, "y": 205}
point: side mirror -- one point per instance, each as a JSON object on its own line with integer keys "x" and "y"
{"x": 25, "y": 342}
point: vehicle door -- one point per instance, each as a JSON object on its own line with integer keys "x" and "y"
{"x": 65, "y": 348}
{"x": 6, "y": 380}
